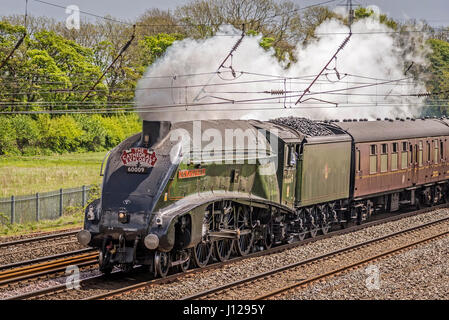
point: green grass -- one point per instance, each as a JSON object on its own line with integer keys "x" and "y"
{"x": 73, "y": 218}
{"x": 22, "y": 175}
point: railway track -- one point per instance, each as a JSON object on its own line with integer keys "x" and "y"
{"x": 260, "y": 286}
{"x": 136, "y": 284}
{"x": 87, "y": 257}
{"x": 286, "y": 289}
{"x": 21, "y": 252}
{"x": 37, "y": 239}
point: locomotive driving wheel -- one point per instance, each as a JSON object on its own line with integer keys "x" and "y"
{"x": 201, "y": 254}
{"x": 183, "y": 255}
{"x": 245, "y": 242}
{"x": 223, "y": 247}
{"x": 311, "y": 217}
{"x": 325, "y": 222}
{"x": 162, "y": 263}
{"x": 301, "y": 228}
{"x": 268, "y": 236}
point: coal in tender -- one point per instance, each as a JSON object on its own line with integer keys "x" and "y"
{"x": 305, "y": 126}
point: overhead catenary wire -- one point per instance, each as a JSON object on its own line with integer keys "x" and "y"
{"x": 120, "y": 21}
{"x": 256, "y": 99}
{"x": 122, "y": 50}
{"x": 172, "y": 87}
{"x": 384, "y": 82}
{"x": 181, "y": 108}
{"x": 19, "y": 42}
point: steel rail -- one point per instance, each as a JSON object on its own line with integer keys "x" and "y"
{"x": 348, "y": 267}
{"x": 48, "y": 267}
{"x": 39, "y": 238}
{"x": 281, "y": 248}
{"x": 45, "y": 258}
{"x": 53, "y": 289}
{"x": 237, "y": 283}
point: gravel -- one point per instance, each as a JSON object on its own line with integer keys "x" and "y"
{"x": 420, "y": 273}
{"x": 15, "y": 289}
{"x": 293, "y": 275}
{"x": 239, "y": 270}
{"x": 4, "y": 239}
{"x": 37, "y": 249}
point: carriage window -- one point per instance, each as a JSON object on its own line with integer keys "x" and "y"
{"x": 435, "y": 155}
{"x": 404, "y": 146}
{"x": 384, "y": 158}
{"x": 373, "y": 159}
{"x": 394, "y": 157}
{"x": 441, "y": 150}
{"x": 404, "y": 156}
{"x": 420, "y": 154}
{"x": 428, "y": 151}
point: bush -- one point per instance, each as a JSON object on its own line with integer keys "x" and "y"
{"x": 94, "y": 135}
{"x": 43, "y": 134}
{"x": 26, "y": 131}
{"x": 7, "y": 137}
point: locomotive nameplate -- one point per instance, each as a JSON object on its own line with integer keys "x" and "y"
{"x": 191, "y": 173}
{"x": 138, "y": 160}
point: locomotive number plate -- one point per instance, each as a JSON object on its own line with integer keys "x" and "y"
{"x": 137, "y": 170}
{"x": 138, "y": 160}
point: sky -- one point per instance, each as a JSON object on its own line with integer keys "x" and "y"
{"x": 435, "y": 12}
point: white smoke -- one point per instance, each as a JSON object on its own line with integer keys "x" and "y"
{"x": 169, "y": 91}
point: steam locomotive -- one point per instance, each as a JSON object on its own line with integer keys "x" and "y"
{"x": 167, "y": 205}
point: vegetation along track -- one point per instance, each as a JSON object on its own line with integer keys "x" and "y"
{"x": 103, "y": 288}
{"x": 283, "y": 279}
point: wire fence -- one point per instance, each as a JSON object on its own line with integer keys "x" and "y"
{"x": 44, "y": 206}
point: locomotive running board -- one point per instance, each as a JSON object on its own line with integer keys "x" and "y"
{"x": 228, "y": 234}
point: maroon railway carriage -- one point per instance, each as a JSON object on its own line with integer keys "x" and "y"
{"x": 399, "y": 162}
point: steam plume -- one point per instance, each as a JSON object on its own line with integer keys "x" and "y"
{"x": 366, "y": 60}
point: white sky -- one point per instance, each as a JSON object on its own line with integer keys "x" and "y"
{"x": 436, "y": 12}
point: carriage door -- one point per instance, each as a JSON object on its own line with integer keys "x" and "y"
{"x": 414, "y": 164}
{"x": 289, "y": 176}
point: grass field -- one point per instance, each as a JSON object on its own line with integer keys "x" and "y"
{"x": 28, "y": 175}
{"x": 68, "y": 221}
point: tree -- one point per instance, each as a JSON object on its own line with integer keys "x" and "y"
{"x": 439, "y": 77}
{"x": 153, "y": 47}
